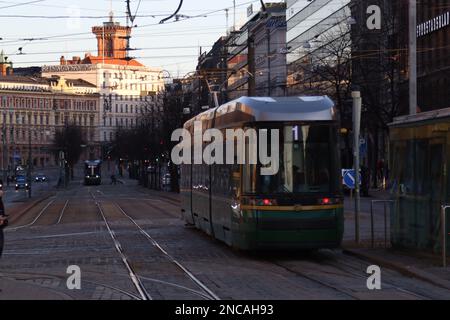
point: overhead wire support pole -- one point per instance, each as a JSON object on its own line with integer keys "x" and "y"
{"x": 412, "y": 57}
{"x": 357, "y": 104}
{"x": 234, "y": 15}
{"x": 4, "y": 152}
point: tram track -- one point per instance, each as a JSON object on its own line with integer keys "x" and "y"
{"x": 387, "y": 284}
{"x": 62, "y": 212}
{"x": 32, "y": 276}
{"x": 191, "y": 276}
{"x": 36, "y": 218}
{"x": 140, "y": 288}
{"x": 317, "y": 281}
{"x": 204, "y": 292}
{"x": 354, "y": 273}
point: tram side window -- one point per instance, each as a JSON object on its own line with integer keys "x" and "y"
{"x": 248, "y": 170}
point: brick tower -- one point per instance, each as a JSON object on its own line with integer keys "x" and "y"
{"x": 112, "y": 39}
{"x": 5, "y": 65}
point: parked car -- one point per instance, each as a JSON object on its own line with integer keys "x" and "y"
{"x": 41, "y": 178}
{"x": 21, "y": 183}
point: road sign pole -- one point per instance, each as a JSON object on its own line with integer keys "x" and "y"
{"x": 357, "y": 103}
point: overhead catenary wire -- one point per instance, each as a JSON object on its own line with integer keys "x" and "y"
{"x": 41, "y": 40}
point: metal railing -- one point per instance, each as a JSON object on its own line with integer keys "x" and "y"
{"x": 445, "y": 234}
{"x": 372, "y": 220}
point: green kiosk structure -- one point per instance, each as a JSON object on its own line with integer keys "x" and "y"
{"x": 420, "y": 180}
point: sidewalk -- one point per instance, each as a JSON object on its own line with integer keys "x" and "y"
{"x": 423, "y": 266}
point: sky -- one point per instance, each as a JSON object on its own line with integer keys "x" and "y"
{"x": 48, "y": 29}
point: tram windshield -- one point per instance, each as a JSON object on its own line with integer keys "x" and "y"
{"x": 308, "y": 162}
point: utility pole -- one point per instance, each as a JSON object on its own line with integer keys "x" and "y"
{"x": 61, "y": 169}
{"x": 412, "y": 57}
{"x": 234, "y": 15}
{"x": 357, "y": 104}
{"x": 30, "y": 162}
{"x": 269, "y": 89}
{"x": 227, "y": 19}
{"x": 4, "y": 147}
{"x": 13, "y": 161}
{"x": 251, "y": 67}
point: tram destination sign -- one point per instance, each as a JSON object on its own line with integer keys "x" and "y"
{"x": 433, "y": 25}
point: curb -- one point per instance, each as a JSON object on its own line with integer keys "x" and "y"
{"x": 408, "y": 271}
{"x": 16, "y": 216}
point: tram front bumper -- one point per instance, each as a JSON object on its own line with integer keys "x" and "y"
{"x": 291, "y": 230}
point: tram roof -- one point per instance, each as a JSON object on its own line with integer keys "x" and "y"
{"x": 278, "y": 109}
{"x": 409, "y": 120}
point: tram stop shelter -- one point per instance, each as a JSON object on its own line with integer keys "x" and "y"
{"x": 420, "y": 180}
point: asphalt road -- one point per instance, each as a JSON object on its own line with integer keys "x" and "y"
{"x": 130, "y": 243}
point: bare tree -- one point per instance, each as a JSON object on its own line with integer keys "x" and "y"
{"x": 70, "y": 140}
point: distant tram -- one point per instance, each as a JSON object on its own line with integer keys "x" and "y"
{"x": 300, "y": 207}
{"x": 93, "y": 172}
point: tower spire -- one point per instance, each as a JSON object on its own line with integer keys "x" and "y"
{"x": 111, "y": 12}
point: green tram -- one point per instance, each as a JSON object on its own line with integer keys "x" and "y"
{"x": 300, "y": 207}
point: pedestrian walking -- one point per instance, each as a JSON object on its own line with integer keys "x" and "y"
{"x": 3, "y": 220}
{"x": 113, "y": 180}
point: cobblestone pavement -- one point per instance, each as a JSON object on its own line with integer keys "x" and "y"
{"x": 131, "y": 244}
